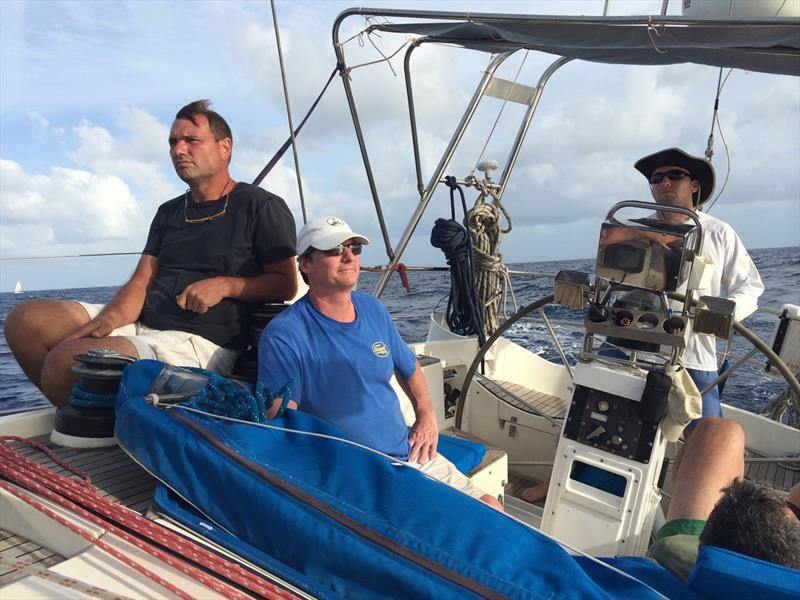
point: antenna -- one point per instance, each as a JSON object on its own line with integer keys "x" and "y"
{"x": 487, "y": 167}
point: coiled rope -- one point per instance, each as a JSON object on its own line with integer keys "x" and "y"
{"x": 492, "y": 281}
{"x": 81, "y": 397}
{"x": 226, "y": 398}
{"x": 464, "y": 312}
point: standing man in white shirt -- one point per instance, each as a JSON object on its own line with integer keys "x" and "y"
{"x": 682, "y": 180}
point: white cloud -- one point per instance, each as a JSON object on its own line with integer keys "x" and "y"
{"x": 139, "y": 157}
{"x": 71, "y": 207}
{"x": 42, "y": 126}
{"x": 110, "y": 76}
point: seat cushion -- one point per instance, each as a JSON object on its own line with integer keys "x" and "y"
{"x": 464, "y": 454}
{"x": 723, "y": 574}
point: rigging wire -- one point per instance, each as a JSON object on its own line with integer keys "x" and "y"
{"x": 370, "y": 19}
{"x": 258, "y": 179}
{"x": 385, "y": 59}
{"x": 502, "y": 108}
{"x": 715, "y": 119}
{"x": 288, "y": 110}
{"x": 710, "y": 144}
{"x": 372, "y": 23}
{"x": 94, "y": 254}
{"x": 727, "y": 171}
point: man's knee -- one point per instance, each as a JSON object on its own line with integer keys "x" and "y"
{"x": 21, "y": 317}
{"x": 722, "y": 429}
{"x": 57, "y": 376}
{"x": 38, "y": 320}
{"x": 717, "y": 446}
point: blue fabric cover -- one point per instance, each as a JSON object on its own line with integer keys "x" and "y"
{"x": 721, "y": 574}
{"x": 167, "y": 503}
{"x": 341, "y": 371}
{"x": 464, "y": 454}
{"x": 643, "y": 569}
{"x": 398, "y": 504}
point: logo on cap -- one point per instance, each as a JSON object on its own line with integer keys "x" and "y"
{"x": 334, "y": 222}
{"x": 380, "y": 350}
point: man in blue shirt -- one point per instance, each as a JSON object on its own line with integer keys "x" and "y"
{"x": 341, "y": 348}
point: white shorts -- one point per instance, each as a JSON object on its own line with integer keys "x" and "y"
{"x": 170, "y": 346}
{"x": 442, "y": 469}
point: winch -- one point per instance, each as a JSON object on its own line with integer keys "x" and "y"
{"x": 87, "y": 421}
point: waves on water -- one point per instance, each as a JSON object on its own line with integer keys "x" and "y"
{"x": 750, "y": 388}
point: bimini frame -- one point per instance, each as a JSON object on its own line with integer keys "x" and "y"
{"x": 766, "y": 44}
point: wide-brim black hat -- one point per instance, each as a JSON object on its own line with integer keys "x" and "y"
{"x": 700, "y": 168}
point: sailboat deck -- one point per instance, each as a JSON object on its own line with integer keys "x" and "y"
{"x": 782, "y": 475}
{"x": 15, "y": 550}
{"x": 115, "y": 475}
{"x": 526, "y": 399}
{"x": 119, "y": 478}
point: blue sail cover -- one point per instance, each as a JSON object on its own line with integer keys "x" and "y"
{"x": 340, "y": 521}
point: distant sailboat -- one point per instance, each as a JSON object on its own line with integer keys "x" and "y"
{"x": 18, "y": 287}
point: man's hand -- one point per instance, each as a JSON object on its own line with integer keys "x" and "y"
{"x": 99, "y": 327}
{"x": 276, "y": 405}
{"x": 423, "y": 438}
{"x": 661, "y": 239}
{"x": 202, "y": 295}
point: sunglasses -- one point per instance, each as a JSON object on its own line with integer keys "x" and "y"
{"x": 673, "y": 175}
{"x": 355, "y": 248}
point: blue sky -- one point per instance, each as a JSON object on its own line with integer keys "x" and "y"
{"x": 88, "y": 91}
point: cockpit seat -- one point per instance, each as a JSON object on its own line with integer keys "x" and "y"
{"x": 464, "y": 454}
{"x": 721, "y": 574}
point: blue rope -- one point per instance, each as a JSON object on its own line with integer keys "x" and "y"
{"x": 223, "y": 397}
{"x": 81, "y": 397}
{"x": 464, "y": 311}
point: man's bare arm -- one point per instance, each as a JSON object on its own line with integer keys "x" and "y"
{"x": 277, "y": 282}
{"x": 424, "y": 435}
{"x": 618, "y": 235}
{"x": 126, "y": 305}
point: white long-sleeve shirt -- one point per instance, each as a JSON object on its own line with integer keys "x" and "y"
{"x": 735, "y": 278}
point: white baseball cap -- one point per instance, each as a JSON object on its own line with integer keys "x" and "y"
{"x": 325, "y": 233}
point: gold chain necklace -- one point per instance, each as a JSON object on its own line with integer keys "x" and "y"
{"x": 212, "y": 217}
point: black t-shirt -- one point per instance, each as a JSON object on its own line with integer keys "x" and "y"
{"x": 257, "y": 228}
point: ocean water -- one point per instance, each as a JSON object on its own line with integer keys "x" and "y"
{"x": 750, "y": 387}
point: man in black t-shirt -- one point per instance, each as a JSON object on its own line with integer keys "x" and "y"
{"x": 210, "y": 253}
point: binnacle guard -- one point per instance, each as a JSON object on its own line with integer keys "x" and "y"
{"x": 335, "y": 519}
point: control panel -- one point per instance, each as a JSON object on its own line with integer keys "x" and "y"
{"x": 612, "y": 423}
{"x": 639, "y": 325}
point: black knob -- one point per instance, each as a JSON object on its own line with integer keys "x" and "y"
{"x": 597, "y": 313}
{"x": 674, "y": 325}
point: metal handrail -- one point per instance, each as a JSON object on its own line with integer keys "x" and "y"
{"x": 557, "y": 344}
{"x": 438, "y": 173}
{"x": 426, "y": 193}
{"x": 643, "y": 20}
